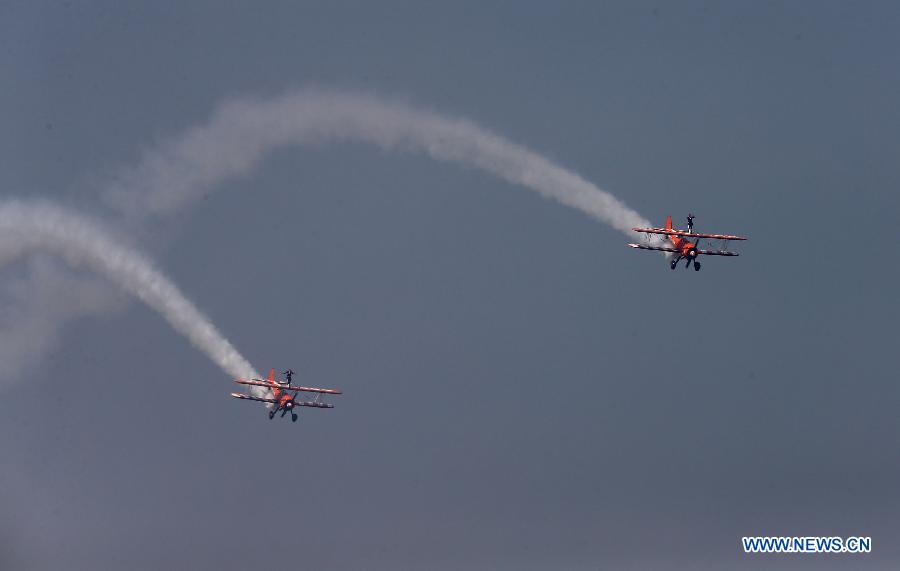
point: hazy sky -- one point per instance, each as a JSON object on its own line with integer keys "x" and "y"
{"x": 522, "y": 391}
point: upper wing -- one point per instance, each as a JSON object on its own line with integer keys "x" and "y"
{"x": 249, "y": 397}
{"x": 316, "y": 390}
{"x": 687, "y": 234}
{"x": 261, "y": 383}
{"x": 657, "y": 248}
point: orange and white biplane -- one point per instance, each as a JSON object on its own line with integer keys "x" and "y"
{"x": 282, "y": 395}
{"x": 685, "y": 244}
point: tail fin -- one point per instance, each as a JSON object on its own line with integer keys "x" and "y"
{"x": 669, "y": 222}
{"x": 271, "y": 375}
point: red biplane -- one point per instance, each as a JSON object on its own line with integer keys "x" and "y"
{"x": 283, "y": 395}
{"x": 685, "y": 244}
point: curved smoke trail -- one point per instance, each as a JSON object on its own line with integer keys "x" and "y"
{"x": 27, "y": 227}
{"x": 242, "y": 132}
{"x": 238, "y": 136}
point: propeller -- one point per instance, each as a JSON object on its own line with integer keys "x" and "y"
{"x": 696, "y": 246}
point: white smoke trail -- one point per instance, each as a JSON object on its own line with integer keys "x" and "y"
{"x": 237, "y": 137}
{"x": 37, "y": 298}
{"x": 241, "y": 132}
{"x": 29, "y": 227}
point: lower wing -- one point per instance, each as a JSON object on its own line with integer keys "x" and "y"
{"x": 657, "y": 248}
{"x": 313, "y": 404}
{"x": 673, "y": 250}
{"x": 717, "y": 253}
{"x": 249, "y": 397}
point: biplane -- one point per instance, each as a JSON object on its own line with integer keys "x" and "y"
{"x": 282, "y": 395}
{"x": 685, "y": 244}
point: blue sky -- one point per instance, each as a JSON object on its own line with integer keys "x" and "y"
{"x": 521, "y": 390}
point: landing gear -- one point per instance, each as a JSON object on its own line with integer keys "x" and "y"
{"x": 696, "y": 266}
{"x": 293, "y": 417}
{"x": 673, "y": 264}
{"x": 271, "y": 414}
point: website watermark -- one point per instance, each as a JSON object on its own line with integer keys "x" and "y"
{"x": 850, "y": 544}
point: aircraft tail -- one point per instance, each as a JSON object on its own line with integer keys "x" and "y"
{"x": 674, "y": 240}
{"x": 272, "y": 375}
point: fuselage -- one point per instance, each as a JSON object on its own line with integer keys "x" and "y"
{"x": 684, "y": 246}
{"x": 284, "y": 400}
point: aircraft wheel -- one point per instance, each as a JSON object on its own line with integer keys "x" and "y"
{"x": 293, "y": 418}
{"x": 271, "y": 415}
{"x": 673, "y": 264}
{"x": 696, "y": 266}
